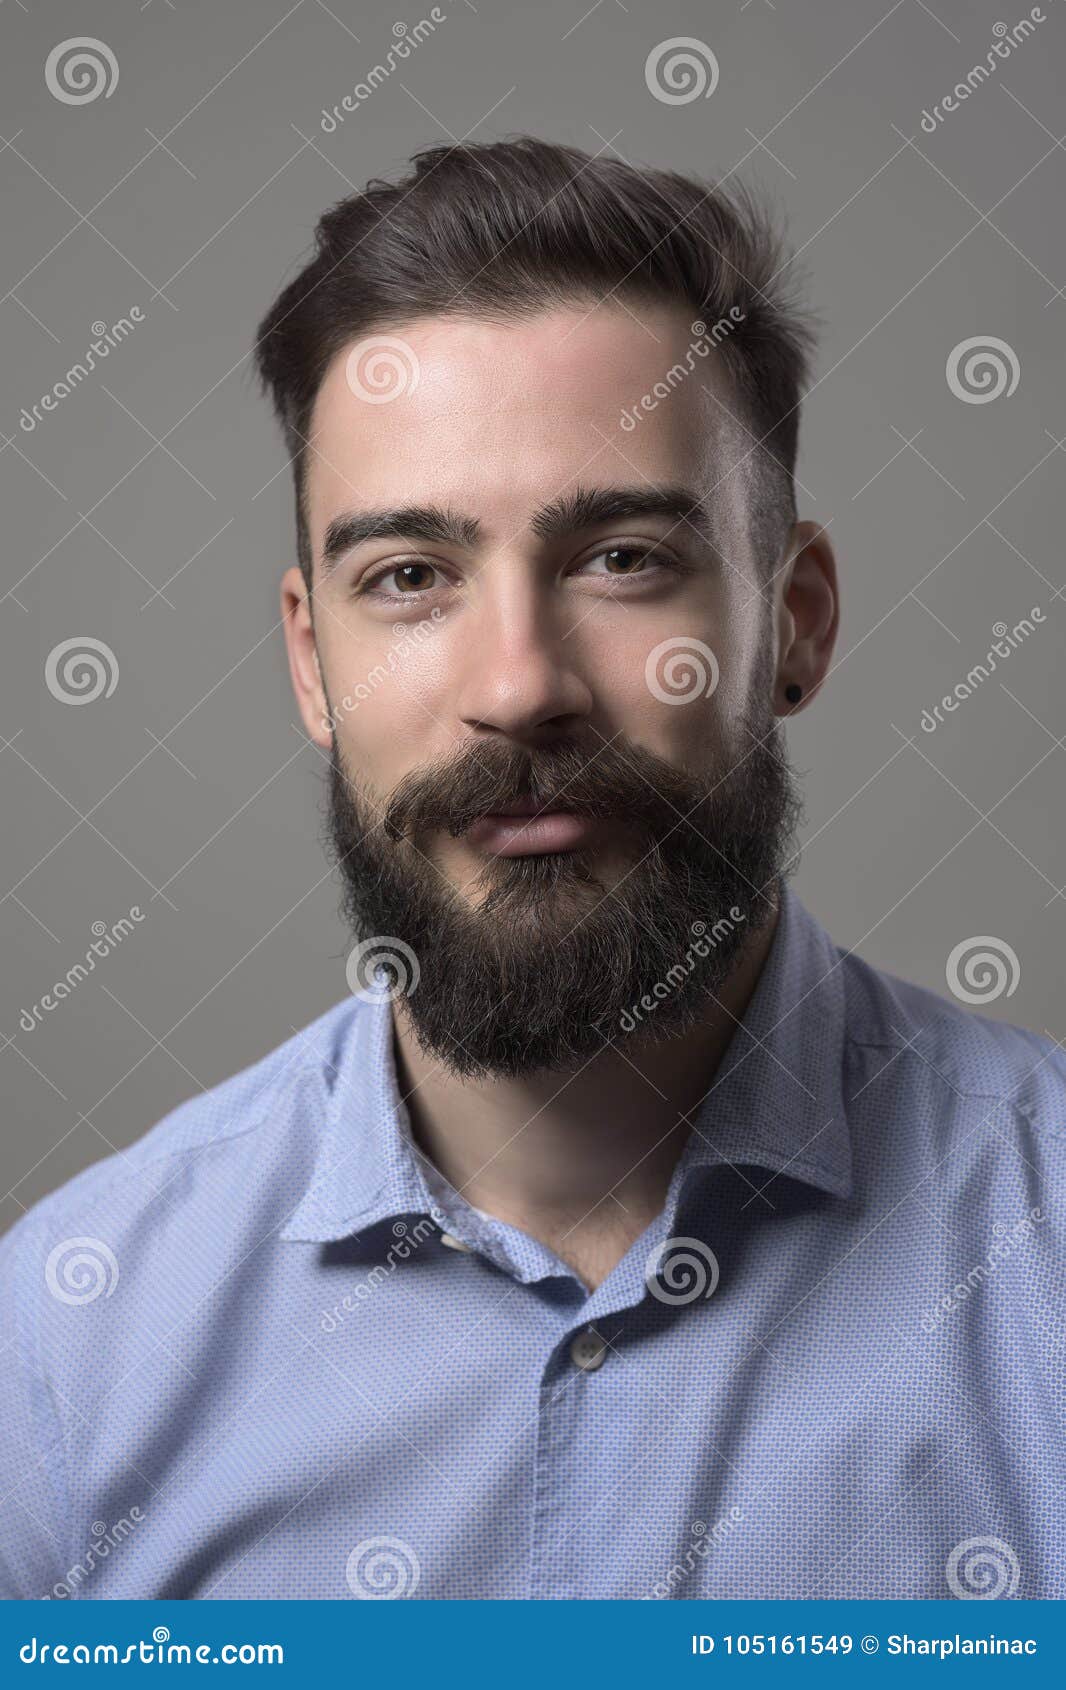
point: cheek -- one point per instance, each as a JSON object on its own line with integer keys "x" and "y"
{"x": 387, "y": 691}
{"x": 677, "y": 693}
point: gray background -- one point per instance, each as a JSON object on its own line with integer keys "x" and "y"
{"x": 151, "y": 508}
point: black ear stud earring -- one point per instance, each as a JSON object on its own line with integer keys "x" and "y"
{"x": 793, "y": 692}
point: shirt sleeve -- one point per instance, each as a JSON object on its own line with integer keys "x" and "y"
{"x": 34, "y": 1518}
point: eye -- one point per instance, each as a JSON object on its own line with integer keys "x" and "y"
{"x": 622, "y": 561}
{"x": 411, "y": 579}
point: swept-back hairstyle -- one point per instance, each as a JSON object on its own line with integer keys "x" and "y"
{"x": 504, "y": 229}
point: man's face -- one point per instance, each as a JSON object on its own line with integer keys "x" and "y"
{"x": 513, "y": 641}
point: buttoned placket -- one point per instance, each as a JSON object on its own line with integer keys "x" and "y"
{"x": 586, "y": 1362}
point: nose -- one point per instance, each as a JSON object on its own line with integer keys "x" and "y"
{"x": 521, "y": 673}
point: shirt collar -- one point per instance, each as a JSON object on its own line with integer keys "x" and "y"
{"x": 777, "y": 1098}
{"x": 776, "y": 1101}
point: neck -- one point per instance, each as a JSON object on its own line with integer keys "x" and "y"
{"x": 579, "y": 1159}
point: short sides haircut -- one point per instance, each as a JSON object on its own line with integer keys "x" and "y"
{"x": 506, "y": 229}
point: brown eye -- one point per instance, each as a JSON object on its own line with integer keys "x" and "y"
{"x": 410, "y": 577}
{"x": 624, "y": 560}
{"x": 618, "y": 562}
{"x": 402, "y": 580}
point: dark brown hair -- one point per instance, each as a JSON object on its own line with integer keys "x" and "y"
{"x": 507, "y": 228}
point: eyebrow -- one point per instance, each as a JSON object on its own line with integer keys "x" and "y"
{"x": 589, "y": 507}
{"x": 586, "y": 507}
{"x": 432, "y": 523}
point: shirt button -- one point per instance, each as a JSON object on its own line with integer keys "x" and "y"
{"x": 588, "y": 1350}
{"x": 454, "y": 1243}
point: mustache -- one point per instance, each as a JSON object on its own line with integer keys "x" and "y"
{"x": 610, "y": 779}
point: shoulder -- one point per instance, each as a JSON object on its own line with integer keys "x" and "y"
{"x": 168, "y": 1224}
{"x": 218, "y": 1155}
{"x": 946, "y": 1047}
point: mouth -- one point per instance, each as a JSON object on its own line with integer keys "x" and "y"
{"x": 529, "y": 827}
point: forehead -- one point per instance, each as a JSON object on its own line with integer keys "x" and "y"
{"x": 496, "y": 418}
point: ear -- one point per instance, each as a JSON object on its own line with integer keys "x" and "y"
{"x": 303, "y": 657}
{"x": 808, "y": 616}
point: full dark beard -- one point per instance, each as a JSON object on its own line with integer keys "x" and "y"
{"x": 546, "y": 966}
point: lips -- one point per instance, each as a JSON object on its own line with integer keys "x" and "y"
{"x": 527, "y": 828}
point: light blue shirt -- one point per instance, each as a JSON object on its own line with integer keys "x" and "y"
{"x": 244, "y": 1359}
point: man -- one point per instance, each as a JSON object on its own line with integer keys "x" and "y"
{"x": 618, "y": 1235}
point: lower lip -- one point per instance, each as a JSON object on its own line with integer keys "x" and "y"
{"x": 521, "y": 836}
